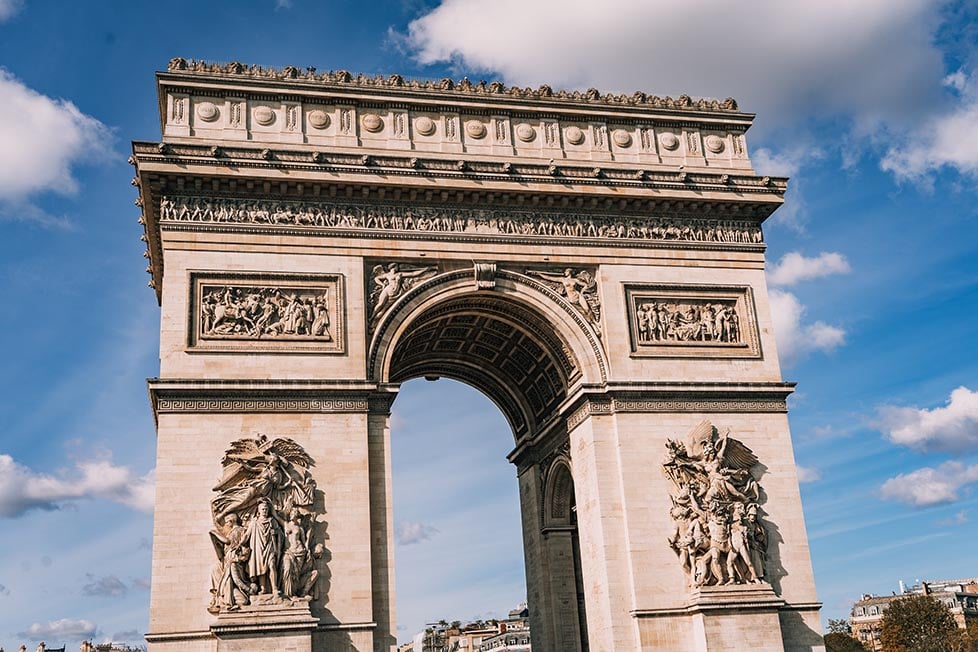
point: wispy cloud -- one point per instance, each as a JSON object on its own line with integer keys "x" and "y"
{"x": 930, "y": 486}
{"x": 872, "y": 551}
{"x": 807, "y": 473}
{"x": 958, "y": 518}
{"x": 8, "y": 8}
{"x": 23, "y": 490}
{"x": 411, "y": 532}
{"x": 953, "y": 427}
{"x": 64, "y": 628}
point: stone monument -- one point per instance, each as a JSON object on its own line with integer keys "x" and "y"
{"x": 593, "y": 263}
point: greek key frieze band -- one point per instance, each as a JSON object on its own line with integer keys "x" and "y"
{"x": 604, "y": 406}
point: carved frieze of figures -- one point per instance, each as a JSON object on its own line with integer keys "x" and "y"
{"x": 388, "y": 282}
{"x": 384, "y": 217}
{"x": 264, "y": 536}
{"x": 717, "y": 532}
{"x": 578, "y": 286}
{"x": 267, "y": 313}
{"x": 689, "y": 320}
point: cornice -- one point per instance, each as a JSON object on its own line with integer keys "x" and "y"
{"x": 235, "y": 396}
{"x": 564, "y": 176}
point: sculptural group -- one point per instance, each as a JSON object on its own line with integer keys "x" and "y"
{"x": 264, "y": 526}
{"x": 716, "y": 533}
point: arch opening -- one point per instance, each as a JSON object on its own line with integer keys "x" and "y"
{"x": 495, "y": 344}
{"x": 505, "y": 346}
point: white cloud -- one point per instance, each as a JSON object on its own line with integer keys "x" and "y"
{"x": 807, "y": 473}
{"x": 65, "y": 628}
{"x": 8, "y": 8}
{"x": 930, "y": 486}
{"x": 43, "y": 139}
{"x": 409, "y": 532}
{"x": 23, "y": 490}
{"x": 794, "y": 267}
{"x": 953, "y": 427}
{"x": 795, "y": 338}
{"x": 946, "y": 140}
{"x": 882, "y": 64}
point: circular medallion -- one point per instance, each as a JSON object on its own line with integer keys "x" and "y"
{"x": 207, "y": 111}
{"x": 714, "y": 144}
{"x": 574, "y": 135}
{"x": 669, "y": 141}
{"x": 264, "y": 115}
{"x": 475, "y": 129}
{"x": 525, "y": 132}
{"x": 621, "y": 137}
{"x": 372, "y": 122}
{"x": 319, "y": 119}
{"x": 425, "y": 125}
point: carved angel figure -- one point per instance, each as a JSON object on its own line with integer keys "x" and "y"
{"x": 717, "y": 535}
{"x": 580, "y": 289}
{"x": 261, "y": 556}
{"x": 391, "y": 282}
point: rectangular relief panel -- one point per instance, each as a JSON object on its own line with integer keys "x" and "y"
{"x": 703, "y": 321}
{"x": 261, "y": 312}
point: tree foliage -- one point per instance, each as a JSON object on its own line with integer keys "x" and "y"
{"x": 841, "y": 642}
{"x": 918, "y": 623}
{"x": 840, "y": 626}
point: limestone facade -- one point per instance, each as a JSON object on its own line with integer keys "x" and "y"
{"x": 315, "y": 239}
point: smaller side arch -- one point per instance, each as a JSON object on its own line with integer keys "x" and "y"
{"x": 558, "y": 495}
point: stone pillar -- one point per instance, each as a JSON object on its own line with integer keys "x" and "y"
{"x": 605, "y": 561}
{"x": 381, "y": 522}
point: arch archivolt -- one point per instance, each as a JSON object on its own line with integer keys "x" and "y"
{"x": 558, "y": 498}
{"x": 519, "y": 342}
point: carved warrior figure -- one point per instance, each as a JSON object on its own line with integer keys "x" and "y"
{"x": 263, "y": 516}
{"x": 580, "y": 289}
{"x": 687, "y": 321}
{"x": 247, "y": 312}
{"x": 459, "y": 220}
{"x": 391, "y": 282}
{"x": 716, "y": 533}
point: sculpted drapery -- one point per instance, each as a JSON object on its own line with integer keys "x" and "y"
{"x": 264, "y": 515}
{"x": 716, "y": 531}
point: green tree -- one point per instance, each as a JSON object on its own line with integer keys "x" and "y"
{"x": 840, "y": 642}
{"x": 918, "y": 623}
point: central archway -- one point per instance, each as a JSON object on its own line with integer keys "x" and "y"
{"x": 522, "y": 346}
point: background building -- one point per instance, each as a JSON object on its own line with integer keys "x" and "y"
{"x": 960, "y": 596}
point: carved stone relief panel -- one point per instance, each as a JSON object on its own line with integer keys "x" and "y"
{"x": 578, "y": 286}
{"x": 267, "y": 312}
{"x": 692, "y": 321}
{"x": 717, "y": 531}
{"x": 389, "y": 281}
{"x": 265, "y": 527}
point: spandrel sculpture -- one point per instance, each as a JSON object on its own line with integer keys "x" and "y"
{"x": 716, "y": 530}
{"x": 264, "y": 526}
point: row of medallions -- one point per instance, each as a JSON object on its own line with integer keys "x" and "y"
{"x": 211, "y": 114}
{"x": 251, "y": 312}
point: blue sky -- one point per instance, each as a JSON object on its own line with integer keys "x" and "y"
{"x": 872, "y": 110}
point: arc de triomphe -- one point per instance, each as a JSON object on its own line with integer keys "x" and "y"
{"x": 593, "y": 263}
